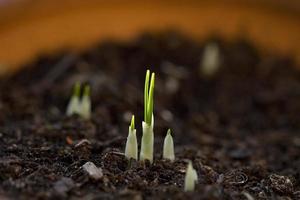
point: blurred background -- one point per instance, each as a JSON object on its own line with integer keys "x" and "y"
{"x": 29, "y": 28}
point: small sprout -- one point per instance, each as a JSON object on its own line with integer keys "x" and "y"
{"x": 210, "y": 62}
{"x": 131, "y": 149}
{"x": 132, "y": 126}
{"x": 191, "y": 178}
{"x": 81, "y": 107}
{"x": 74, "y": 104}
{"x": 85, "y": 105}
{"x": 168, "y": 152}
{"x": 148, "y": 123}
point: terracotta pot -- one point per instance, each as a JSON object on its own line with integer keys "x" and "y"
{"x": 29, "y": 28}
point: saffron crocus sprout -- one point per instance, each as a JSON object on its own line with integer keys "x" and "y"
{"x": 210, "y": 62}
{"x": 191, "y": 178}
{"x": 131, "y": 149}
{"x": 74, "y": 104}
{"x": 168, "y": 152}
{"x": 148, "y": 123}
{"x": 85, "y": 104}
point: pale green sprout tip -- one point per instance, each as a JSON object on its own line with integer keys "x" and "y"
{"x": 168, "y": 149}
{"x": 146, "y": 93}
{"x": 210, "y": 62}
{"x": 74, "y": 103}
{"x": 87, "y": 90}
{"x": 85, "y": 105}
{"x": 77, "y": 88}
{"x": 132, "y": 126}
{"x": 191, "y": 178}
{"x": 131, "y": 149}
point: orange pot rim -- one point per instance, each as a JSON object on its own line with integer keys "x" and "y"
{"x": 28, "y": 29}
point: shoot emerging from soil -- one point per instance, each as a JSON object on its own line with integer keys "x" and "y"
{"x": 148, "y": 123}
{"x": 168, "y": 150}
{"x": 74, "y": 103}
{"x": 210, "y": 62}
{"x": 131, "y": 149}
{"x": 80, "y": 107}
{"x": 191, "y": 178}
{"x": 85, "y": 105}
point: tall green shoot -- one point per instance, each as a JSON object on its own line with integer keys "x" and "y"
{"x": 147, "y": 144}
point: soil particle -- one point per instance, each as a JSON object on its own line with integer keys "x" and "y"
{"x": 281, "y": 184}
{"x": 92, "y": 170}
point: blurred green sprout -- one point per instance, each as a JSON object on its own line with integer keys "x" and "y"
{"x": 81, "y": 107}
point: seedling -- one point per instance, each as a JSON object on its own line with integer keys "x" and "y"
{"x": 148, "y": 123}
{"x": 131, "y": 149}
{"x": 85, "y": 105}
{"x": 147, "y": 142}
{"x": 81, "y": 107}
{"x": 168, "y": 152}
{"x": 210, "y": 62}
{"x": 74, "y": 103}
{"x": 191, "y": 178}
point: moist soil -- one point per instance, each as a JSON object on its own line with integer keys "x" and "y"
{"x": 239, "y": 127}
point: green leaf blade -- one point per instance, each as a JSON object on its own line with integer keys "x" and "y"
{"x": 146, "y": 93}
{"x": 132, "y": 126}
{"x": 151, "y": 100}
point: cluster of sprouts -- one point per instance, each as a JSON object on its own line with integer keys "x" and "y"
{"x": 81, "y": 107}
{"x": 147, "y": 143}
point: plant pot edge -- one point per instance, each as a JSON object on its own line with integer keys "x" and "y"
{"x": 46, "y": 33}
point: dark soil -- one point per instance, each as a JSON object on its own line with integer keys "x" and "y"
{"x": 240, "y": 128}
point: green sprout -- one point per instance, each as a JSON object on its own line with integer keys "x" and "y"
{"x": 147, "y": 143}
{"x": 85, "y": 105}
{"x": 211, "y": 60}
{"x": 168, "y": 149}
{"x": 148, "y": 97}
{"x": 81, "y": 107}
{"x": 132, "y": 126}
{"x": 131, "y": 149}
{"x": 191, "y": 178}
{"x": 74, "y": 103}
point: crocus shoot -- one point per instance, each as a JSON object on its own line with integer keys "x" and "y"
{"x": 191, "y": 178}
{"x": 85, "y": 104}
{"x": 74, "y": 103}
{"x": 81, "y": 107}
{"x": 210, "y": 62}
{"x": 131, "y": 149}
{"x": 148, "y": 123}
{"x": 168, "y": 151}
